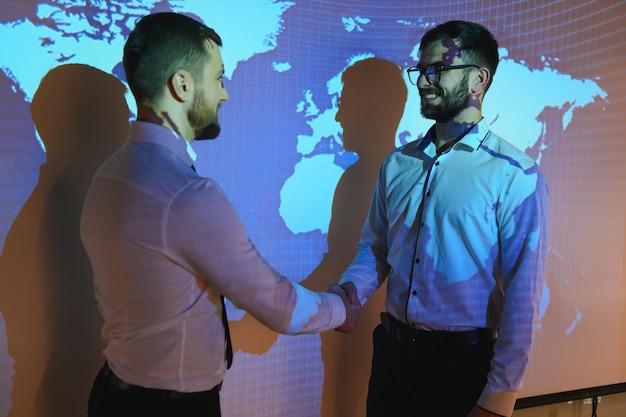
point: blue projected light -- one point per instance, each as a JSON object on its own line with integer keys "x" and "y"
{"x": 292, "y": 166}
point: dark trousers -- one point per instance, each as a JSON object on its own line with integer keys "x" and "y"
{"x": 108, "y": 400}
{"x": 431, "y": 377}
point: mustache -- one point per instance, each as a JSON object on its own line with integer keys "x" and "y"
{"x": 429, "y": 90}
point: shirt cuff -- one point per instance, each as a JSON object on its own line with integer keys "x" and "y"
{"x": 501, "y": 402}
{"x": 339, "y": 311}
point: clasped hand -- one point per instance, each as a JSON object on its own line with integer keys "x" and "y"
{"x": 348, "y": 294}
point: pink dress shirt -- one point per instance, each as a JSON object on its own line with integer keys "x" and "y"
{"x": 164, "y": 243}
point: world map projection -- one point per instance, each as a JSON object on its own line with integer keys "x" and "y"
{"x": 300, "y": 175}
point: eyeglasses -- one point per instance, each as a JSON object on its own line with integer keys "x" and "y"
{"x": 432, "y": 72}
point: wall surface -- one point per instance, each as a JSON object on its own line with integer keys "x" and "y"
{"x": 300, "y": 171}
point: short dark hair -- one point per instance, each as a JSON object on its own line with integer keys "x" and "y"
{"x": 478, "y": 45}
{"x": 160, "y": 45}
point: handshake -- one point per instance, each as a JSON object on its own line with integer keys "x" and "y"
{"x": 348, "y": 294}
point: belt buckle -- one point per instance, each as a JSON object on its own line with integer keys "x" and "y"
{"x": 175, "y": 395}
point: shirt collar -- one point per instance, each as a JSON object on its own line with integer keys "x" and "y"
{"x": 471, "y": 141}
{"x": 152, "y": 132}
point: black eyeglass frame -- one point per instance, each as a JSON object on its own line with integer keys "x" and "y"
{"x": 433, "y": 72}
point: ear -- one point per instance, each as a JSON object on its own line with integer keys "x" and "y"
{"x": 480, "y": 81}
{"x": 180, "y": 86}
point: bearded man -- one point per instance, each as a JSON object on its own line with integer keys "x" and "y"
{"x": 458, "y": 227}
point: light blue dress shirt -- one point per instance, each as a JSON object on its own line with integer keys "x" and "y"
{"x": 462, "y": 239}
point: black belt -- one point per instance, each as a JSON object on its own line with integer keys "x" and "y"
{"x": 407, "y": 336}
{"x": 107, "y": 375}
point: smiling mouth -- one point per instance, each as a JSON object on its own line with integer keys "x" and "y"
{"x": 429, "y": 95}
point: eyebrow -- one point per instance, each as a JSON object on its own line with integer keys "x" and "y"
{"x": 436, "y": 64}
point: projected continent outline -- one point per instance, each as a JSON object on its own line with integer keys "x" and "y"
{"x": 513, "y": 109}
{"x": 516, "y": 107}
{"x": 62, "y": 32}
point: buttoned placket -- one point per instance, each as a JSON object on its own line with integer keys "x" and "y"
{"x": 416, "y": 260}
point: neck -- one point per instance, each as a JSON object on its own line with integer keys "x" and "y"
{"x": 447, "y": 134}
{"x": 146, "y": 113}
{"x": 452, "y": 130}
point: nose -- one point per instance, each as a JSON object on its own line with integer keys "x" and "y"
{"x": 223, "y": 93}
{"x": 422, "y": 81}
{"x": 338, "y": 112}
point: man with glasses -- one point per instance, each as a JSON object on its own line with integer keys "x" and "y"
{"x": 458, "y": 226}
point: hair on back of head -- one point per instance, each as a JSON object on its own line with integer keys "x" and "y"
{"x": 161, "y": 44}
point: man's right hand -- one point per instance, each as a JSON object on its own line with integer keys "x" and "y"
{"x": 348, "y": 294}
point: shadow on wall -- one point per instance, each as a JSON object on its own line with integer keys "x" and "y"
{"x": 372, "y": 103}
{"x": 46, "y": 286}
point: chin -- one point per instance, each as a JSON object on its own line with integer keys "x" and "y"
{"x": 429, "y": 114}
{"x": 210, "y": 132}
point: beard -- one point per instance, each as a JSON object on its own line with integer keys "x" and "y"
{"x": 202, "y": 118}
{"x": 451, "y": 105}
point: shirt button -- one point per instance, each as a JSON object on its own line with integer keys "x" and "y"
{"x": 414, "y": 292}
{"x": 417, "y": 260}
{"x": 427, "y": 193}
{"x": 437, "y": 163}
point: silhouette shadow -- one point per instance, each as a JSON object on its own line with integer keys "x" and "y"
{"x": 46, "y": 287}
{"x": 371, "y": 106}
